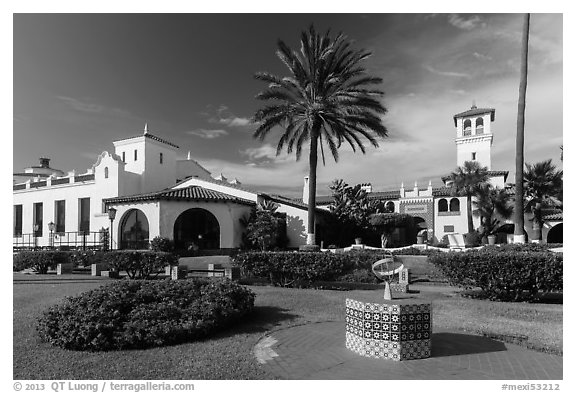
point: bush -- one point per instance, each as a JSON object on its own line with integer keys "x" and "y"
{"x": 414, "y": 251}
{"x": 472, "y": 239}
{"x": 501, "y": 273}
{"x": 139, "y": 264}
{"x": 87, "y": 258}
{"x": 40, "y": 261}
{"x": 142, "y": 314}
{"x": 299, "y": 269}
{"x": 163, "y": 244}
{"x": 359, "y": 276}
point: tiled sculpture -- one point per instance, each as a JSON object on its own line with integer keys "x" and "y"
{"x": 398, "y": 329}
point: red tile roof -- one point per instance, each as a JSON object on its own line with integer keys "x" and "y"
{"x": 153, "y": 137}
{"x": 475, "y": 111}
{"x": 192, "y": 193}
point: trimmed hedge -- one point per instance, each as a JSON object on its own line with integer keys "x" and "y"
{"x": 299, "y": 269}
{"x": 140, "y": 264}
{"x": 39, "y": 261}
{"x": 503, "y": 274}
{"x": 143, "y": 314}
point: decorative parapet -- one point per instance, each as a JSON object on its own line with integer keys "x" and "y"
{"x": 398, "y": 329}
{"x": 54, "y": 181}
{"x": 81, "y": 178}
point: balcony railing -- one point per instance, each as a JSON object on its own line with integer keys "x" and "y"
{"x": 62, "y": 241}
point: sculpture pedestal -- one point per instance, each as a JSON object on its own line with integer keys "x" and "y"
{"x": 398, "y": 329}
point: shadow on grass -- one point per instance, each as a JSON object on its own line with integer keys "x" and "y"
{"x": 262, "y": 319}
{"x": 453, "y": 344}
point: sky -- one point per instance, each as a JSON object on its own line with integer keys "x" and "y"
{"x": 81, "y": 81}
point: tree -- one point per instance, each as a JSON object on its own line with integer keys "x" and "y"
{"x": 542, "y": 188}
{"x": 352, "y": 208}
{"x": 265, "y": 228}
{"x": 492, "y": 203}
{"x": 519, "y": 202}
{"x": 327, "y": 99}
{"x": 466, "y": 181}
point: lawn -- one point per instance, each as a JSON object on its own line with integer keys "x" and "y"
{"x": 228, "y": 355}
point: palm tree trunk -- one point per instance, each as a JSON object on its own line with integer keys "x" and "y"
{"x": 311, "y": 238}
{"x": 469, "y": 212}
{"x": 519, "y": 201}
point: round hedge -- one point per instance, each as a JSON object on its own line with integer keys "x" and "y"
{"x": 143, "y": 314}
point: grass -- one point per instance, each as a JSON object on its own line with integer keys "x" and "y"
{"x": 228, "y": 355}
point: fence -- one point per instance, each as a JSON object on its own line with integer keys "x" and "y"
{"x": 63, "y": 241}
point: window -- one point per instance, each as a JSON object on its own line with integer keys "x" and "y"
{"x": 473, "y": 156}
{"x": 161, "y": 158}
{"x": 106, "y": 173}
{"x": 454, "y": 205}
{"x": 467, "y": 127}
{"x": 135, "y": 155}
{"x": 17, "y": 220}
{"x": 448, "y": 228}
{"x": 37, "y": 219}
{"x": 123, "y": 156}
{"x": 479, "y": 125}
{"x": 60, "y": 216}
{"x": 442, "y": 205}
{"x": 84, "y": 214}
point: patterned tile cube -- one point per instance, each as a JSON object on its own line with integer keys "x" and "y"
{"x": 399, "y": 330}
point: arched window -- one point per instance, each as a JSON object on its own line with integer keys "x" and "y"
{"x": 106, "y": 173}
{"x": 442, "y": 205}
{"x": 390, "y": 206}
{"x": 467, "y": 127}
{"x": 479, "y": 125}
{"x": 134, "y": 230}
{"x": 454, "y": 205}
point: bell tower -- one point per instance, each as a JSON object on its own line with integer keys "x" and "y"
{"x": 474, "y": 136}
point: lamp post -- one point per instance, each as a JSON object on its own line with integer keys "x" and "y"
{"x": 51, "y": 228}
{"x": 36, "y": 229}
{"x": 111, "y": 216}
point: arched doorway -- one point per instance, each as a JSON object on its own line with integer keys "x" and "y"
{"x": 134, "y": 230}
{"x": 420, "y": 226}
{"x": 197, "y": 229}
{"x": 555, "y": 234}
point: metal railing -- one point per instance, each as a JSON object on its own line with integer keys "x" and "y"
{"x": 63, "y": 241}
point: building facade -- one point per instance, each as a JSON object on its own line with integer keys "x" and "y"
{"x": 153, "y": 193}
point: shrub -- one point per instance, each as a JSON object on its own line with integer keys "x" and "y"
{"x": 359, "y": 276}
{"x": 473, "y": 239}
{"x": 139, "y": 264}
{"x": 163, "y": 244}
{"x": 39, "y": 261}
{"x": 87, "y": 258}
{"x": 501, "y": 273}
{"x": 298, "y": 269}
{"x": 142, "y": 314}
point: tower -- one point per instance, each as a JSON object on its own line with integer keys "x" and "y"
{"x": 474, "y": 136}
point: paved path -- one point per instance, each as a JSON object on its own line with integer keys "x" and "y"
{"x": 317, "y": 351}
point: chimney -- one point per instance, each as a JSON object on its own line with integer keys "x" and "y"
{"x": 44, "y": 162}
{"x": 305, "y": 190}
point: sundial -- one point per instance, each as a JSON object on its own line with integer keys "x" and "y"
{"x": 384, "y": 269}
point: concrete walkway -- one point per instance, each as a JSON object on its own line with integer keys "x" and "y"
{"x": 317, "y": 351}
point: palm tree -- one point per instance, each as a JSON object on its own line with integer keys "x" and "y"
{"x": 542, "y": 188}
{"x": 491, "y": 202}
{"x": 466, "y": 181}
{"x": 519, "y": 202}
{"x": 327, "y": 99}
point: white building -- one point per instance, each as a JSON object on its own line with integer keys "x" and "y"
{"x": 154, "y": 194}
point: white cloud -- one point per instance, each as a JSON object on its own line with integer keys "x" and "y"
{"x": 235, "y": 121}
{"x": 480, "y": 56}
{"x": 446, "y": 73}
{"x": 465, "y": 24}
{"x": 208, "y": 134}
{"x": 86, "y": 105}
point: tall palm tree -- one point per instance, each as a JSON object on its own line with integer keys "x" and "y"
{"x": 491, "y": 204}
{"x": 519, "y": 201}
{"x": 327, "y": 99}
{"x": 542, "y": 188}
{"x": 466, "y": 181}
